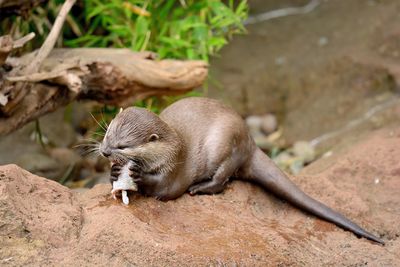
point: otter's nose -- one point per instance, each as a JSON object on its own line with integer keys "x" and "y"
{"x": 105, "y": 151}
{"x": 106, "y": 154}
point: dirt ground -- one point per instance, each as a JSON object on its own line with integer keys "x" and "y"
{"x": 316, "y": 71}
{"x": 44, "y": 223}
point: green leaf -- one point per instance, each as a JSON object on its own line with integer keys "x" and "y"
{"x": 174, "y": 41}
{"x": 142, "y": 26}
{"x": 194, "y": 30}
{"x": 217, "y": 41}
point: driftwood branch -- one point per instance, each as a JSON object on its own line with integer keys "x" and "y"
{"x": 21, "y": 42}
{"x": 6, "y": 46}
{"x": 110, "y": 76}
{"x": 12, "y": 93}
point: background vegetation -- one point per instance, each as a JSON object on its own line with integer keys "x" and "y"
{"x": 184, "y": 29}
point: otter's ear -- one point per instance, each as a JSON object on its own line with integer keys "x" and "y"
{"x": 120, "y": 110}
{"x": 153, "y": 137}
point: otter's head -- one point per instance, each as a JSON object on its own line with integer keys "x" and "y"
{"x": 141, "y": 136}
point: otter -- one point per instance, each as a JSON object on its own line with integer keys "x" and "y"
{"x": 197, "y": 145}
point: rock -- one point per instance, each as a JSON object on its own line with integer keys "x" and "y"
{"x": 254, "y": 124}
{"x": 35, "y": 214}
{"x": 280, "y": 61}
{"x": 283, "y": 159}
{"x": 41, "y": 164}
{"x": 54, "y": 161}
{"x": 101, "y": 178}
{"x": 263, "y": 142}
{"x": 304, "y": 151}
{"x": 296, "y": 166}
{"x": 260, "y": 127}
{"x": 323, "y": 41}
{"x": 54, "y": 164}
{"x": 43, "y": 223}
{"x": 18, "y": 144}
{"x": 80, "y": 190}
{"x": 69, "y": 163}
{"x": 294, "y": 159}
{"x": 57, "y": 130}
{"x": 269, "y": 124}
{"x": 65, "y": 155}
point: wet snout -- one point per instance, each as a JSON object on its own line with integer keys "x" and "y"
{"x": 105, "y": 151}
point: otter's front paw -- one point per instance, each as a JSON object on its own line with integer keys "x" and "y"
{"x": 115, "y": 172}
{"x": 135, "y": 171}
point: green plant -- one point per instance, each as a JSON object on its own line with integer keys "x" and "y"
{"x": 193, "y": 29}
{"x": 184, "y": 29}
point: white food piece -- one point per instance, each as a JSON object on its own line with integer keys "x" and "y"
{"x": 123, "y": 184}
{"x": 125, "y": 197}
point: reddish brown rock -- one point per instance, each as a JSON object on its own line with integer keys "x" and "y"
{"x": 36, "y": 214}
{"x": 243, "y": 226}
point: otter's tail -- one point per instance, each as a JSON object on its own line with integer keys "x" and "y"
{"x": 264, "y": 172}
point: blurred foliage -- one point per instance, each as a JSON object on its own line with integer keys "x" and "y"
{"x": 192, "y": 29}
{"x": 184, "y": 29}
{"x": 181, "y": 29}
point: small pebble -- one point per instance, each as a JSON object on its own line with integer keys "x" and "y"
{"x": 323, "y": 41}
{"x": 280, "y": 61}
{"x": 296, "y": 166}
{"x": 304, "y": 150}
{"x": 283, "y": 159}
{"x": 263, "y": 142}
{"x": 253, "y": 121}
{"x": 268, "y": 124}
{"x": 254, "y": 124}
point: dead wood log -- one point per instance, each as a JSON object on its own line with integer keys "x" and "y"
{"x": 13, "y": 93}
{"x": 110, "y": 76}
{"x": 6, "y": 46}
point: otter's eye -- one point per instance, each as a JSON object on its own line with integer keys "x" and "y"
{"x": 153, "y": 137}
{"x": 121, "y": 147}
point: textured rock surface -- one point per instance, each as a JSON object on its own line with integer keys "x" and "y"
{"x": 37, "y": 215}
{"x": 43, "y": 223}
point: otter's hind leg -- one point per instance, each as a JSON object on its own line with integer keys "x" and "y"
{"x": 218, "y": 182}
